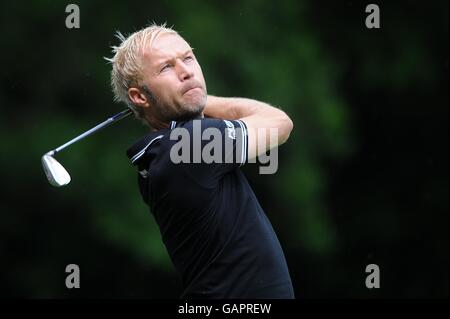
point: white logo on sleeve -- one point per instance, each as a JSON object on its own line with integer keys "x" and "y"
{"x": 230, "y": 130}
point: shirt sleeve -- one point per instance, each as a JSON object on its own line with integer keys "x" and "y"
{"x": 217, "y": 147}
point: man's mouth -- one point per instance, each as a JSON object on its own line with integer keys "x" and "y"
{"x": 191, "y": 89}
{"x": 191, "y": 86}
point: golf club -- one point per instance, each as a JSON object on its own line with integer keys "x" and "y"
{"x": 55, "y": 172}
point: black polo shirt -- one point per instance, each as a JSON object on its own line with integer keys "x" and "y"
{"x": 216, "y": 233}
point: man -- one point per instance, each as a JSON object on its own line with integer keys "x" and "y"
{"x": 212, "y": 225}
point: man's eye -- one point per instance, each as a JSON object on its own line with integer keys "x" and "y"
{"x": 164, "y": 68}
{"x": 188, "y": 58}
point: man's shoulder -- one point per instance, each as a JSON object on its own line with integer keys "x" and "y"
{"x": 137, "y": 151}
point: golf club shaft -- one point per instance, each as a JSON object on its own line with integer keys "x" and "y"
{"x": 109, "y": 121}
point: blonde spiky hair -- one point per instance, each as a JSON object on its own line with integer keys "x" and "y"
{"x": 126, "y": 62}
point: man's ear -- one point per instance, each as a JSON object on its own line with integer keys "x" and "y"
{"x": 138, "y": 97}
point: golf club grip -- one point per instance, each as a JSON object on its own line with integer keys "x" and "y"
{"x": 104, "y": 124}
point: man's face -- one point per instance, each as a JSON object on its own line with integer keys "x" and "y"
{"x": 175, "y": 79}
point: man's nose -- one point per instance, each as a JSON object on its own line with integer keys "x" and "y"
{"x": 184, "y": 72}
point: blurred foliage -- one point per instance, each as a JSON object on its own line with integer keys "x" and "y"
{"x": 363, "y": 178}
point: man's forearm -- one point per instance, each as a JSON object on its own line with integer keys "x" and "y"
{"x": 258, "y": 117}
{"x": 233, "y": 108}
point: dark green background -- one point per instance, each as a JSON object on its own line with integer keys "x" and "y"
{"x": 363, "y": 178}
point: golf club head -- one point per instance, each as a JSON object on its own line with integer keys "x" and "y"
{"x": 55, "y": 172}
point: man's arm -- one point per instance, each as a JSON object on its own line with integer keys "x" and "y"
{"x": 256, "y": 115}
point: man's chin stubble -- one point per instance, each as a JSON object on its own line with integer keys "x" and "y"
{"x": 189, "y": 115}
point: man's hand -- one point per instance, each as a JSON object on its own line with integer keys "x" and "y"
{"x": 259, "y": 117}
